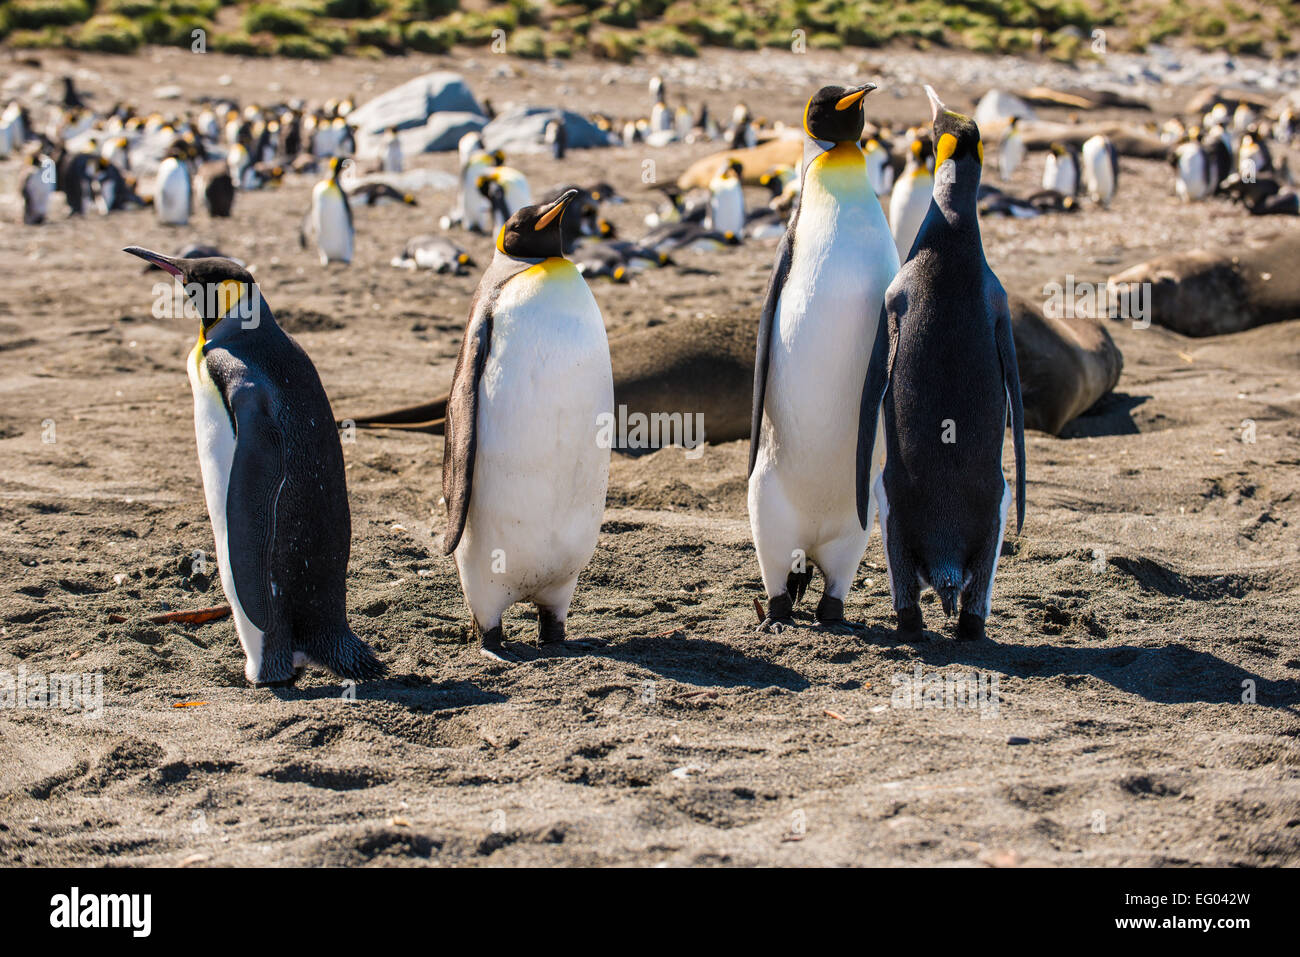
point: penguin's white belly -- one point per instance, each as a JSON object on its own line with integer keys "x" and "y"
{"x": 908, "y": 205}
{"x": 216, "y": 446}
{"x": 821, "y": 344}
{"x": 540, "y": 471}
{"x": 330, "y": 220}
{"x": 1099, "y": 175}
{"x": 727, "y": 208}
{"x": 172, "y": 195}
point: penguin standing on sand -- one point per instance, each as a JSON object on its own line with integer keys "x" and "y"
{"x": 38, "y": 187}
{"x": 910, "y": 200}
{"x": 814, "y": 341}
{"x": 273, "y": 478}
{"x": 727, "y": 200}
{"x": 944, "y": 378}
{"x": 525, "y": 468}
{"x": 173, "y": 193}
{"x": 331, "y": 218}
{"x": 1061, "y": 170}
{"x": 1100, "y": 169}
{"x": 1011, "y": 151}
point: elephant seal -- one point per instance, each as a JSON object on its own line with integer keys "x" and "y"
{"x": 690, "y": 366}
{"x": 1127, "y": 140}
{"x": 705, "y": 366}
{"x": 1066, "y": 364}
{"x": 1210, "y": 293}
{"x": 754, "y": 162}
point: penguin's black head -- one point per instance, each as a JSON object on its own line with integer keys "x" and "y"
{"x": 956, "y": 137}
{"x": 834, "y": 113}
{"x": 534, "y": 231}
{"x": 216, "y": 286}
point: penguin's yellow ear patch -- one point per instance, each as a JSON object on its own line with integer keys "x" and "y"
{"x": 501, "y": 239}
{"x": 979, "y": 151}
{"x": 229, "y": 292}
{"x": 943, "y": 150}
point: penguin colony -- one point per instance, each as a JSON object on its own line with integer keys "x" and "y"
{"x": 896, "y": 316}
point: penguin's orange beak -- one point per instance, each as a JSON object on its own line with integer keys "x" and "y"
{"x": 853, "y": 99}
{"x": 555, "y": 210}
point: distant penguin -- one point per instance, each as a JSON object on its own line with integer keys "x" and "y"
{"x": 1253, "y": 158}
{"x": 910, "y": 200}
{"x": 944, "y": 379}
{"x": 661, "y": 117}
{"x": 507, "y": 191}
{"x": 556, "y": 137}
{"x": 1011, "y": 150}
{"x": 390, "y": 153}
{"x": 218, "y": 188}
{"x": 273, "y": 479}
{"x": 1061, "y": 170}
{"x": 173, "y": 193}
{"x": 526, "y": 468}
{"x": 880, "y": 170}
{"x": 378, "y": 194}
{"x": 434, "y": 252}
{"x": 37, "y": 188}
{"x": 1100, "y": 169}
{"x": 1193, "y": 172}
{"x": 331, "y": 218}
{"x": 727, "y": 200}
{"x": 815, "y": 336}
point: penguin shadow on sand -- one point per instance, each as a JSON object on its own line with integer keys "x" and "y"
{"x": 415, "y": 692}
{"x": 1171, "y": 673}
{"x": 704, "y": 662}
{"x": 1112, "y": 414}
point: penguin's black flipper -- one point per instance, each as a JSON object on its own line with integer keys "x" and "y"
{"x": 257, "y": 473}
{"x": 461, "y": 427}
{"x": 1001, "y": 310}
{"x": 775, "y": 284}
{"x": 879, "y": 370}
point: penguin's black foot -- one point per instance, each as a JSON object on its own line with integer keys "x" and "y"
{"x": 970, "y": 627}
{"x": 282, "y": 683}
{"x": 553, "y": 642}
{"x": 910, "y": 629}
{"x": 492, "y": 645}
{"x": 830, "y": 617}
{"x": 780, "y": 615}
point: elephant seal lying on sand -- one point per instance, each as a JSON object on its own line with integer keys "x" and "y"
{"x": 1209, "y": 293}
{"x": 705, "y": 366}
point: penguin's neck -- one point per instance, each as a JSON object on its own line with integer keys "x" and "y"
{"x": 956, "y": 199}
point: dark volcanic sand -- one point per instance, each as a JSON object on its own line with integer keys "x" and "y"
{"x": 1156, "y": 573}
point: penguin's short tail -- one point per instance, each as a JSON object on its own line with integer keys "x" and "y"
{"x": 348, "y": 656}
{"x": 947, "y": 583}
{"x": 796, "y": 583}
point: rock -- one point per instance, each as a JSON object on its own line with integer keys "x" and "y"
{"x": 997, "y": 106}
{"x": 410, "y": 106}
{"x": 522, "y": 130}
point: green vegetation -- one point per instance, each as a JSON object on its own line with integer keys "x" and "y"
{"x": 625, "y": 29}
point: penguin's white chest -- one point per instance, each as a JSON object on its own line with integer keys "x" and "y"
{"x": 332, "y": 224}
{"x": 541, "y": 470}
{"x": 727, "y": 205}
{"x": 172, "y": 193}
{"x": 215, "y": 437}
{"x": 825, "y": 328}
{"x": 1099, "y": 174}
{"x": 908, "y": 204}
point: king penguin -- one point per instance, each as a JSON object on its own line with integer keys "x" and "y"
{"x": 814, "y": 340}
{"x": 173, "y": 194}
{"x": 1100, "y": 166}
{"x": 910, "y": 200}
{"x": 525, "y": 469}
{"x": 331, "y": 217}
{"x": 943, "y": 376}
{"x": 273, "y": 478}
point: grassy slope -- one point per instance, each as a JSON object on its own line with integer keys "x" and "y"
{"x": 619, "y": 31}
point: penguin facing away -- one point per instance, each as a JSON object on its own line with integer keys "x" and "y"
{"x": 273, "y": 479}
{"x": 815, "y": 338}
{"x": 525, "y": 470}
{"x": 944, "y": 378}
